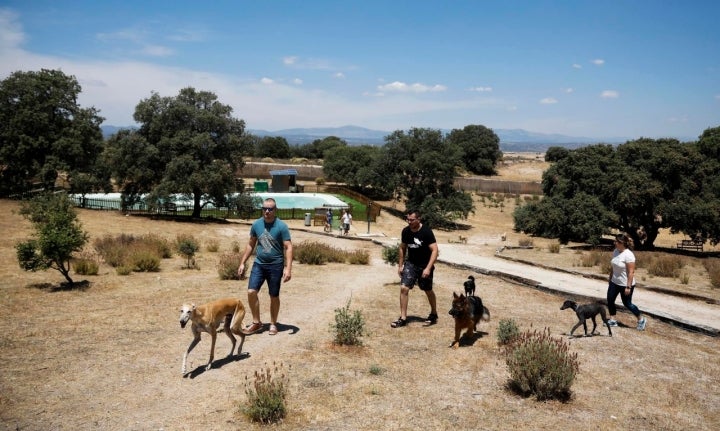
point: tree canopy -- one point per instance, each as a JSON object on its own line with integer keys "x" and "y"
{"x": 188, "y": 144}
{"x": 419, "y": 167}
{"x": 639, "y": 188}
{"x": 480, "y": 147}
{"x": 43, "y": 131}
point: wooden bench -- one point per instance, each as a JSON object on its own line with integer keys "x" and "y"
{"x": 319, "y": 220}
{"x": 689, "y": 244}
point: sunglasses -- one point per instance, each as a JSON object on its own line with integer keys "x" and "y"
{"x": 268, "y": 209}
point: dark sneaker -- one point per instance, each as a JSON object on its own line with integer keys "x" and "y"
{"x": 398, "y": 323}
{"x": 431, "y": 319}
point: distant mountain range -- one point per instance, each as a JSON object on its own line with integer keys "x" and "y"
{"x": 517, "y": 140}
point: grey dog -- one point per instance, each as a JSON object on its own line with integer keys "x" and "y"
{"x": 584, "y": 312}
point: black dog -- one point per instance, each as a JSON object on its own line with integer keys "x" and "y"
{"x": 587, "y": 311}
{"x": 470, "y": 286}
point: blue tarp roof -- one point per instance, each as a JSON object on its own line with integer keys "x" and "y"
{"x": 284, "y": 172}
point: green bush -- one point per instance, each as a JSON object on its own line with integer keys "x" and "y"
{"x": 228, "y": 266}
{"x": 266, "y": 394}
{"x": 349, "y": 326}
{"x": 391, "y": 254}
{"x": 187, "y": 246}
{"x": 507, "y": 331}
{"x": 541, "y": 365}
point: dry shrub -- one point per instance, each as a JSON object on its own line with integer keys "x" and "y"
{"x": 554, "y": 248}
{"x": 212, "y": 245}
{"x": 712, "y": 265}
{"x": 525, "y": 242}
{"x": 594, "y": 258}
{"x": 137, "y": 253}
{"x": 541, "y": 365}
{"x": 86, "y": 264}
{"x": 665, "y": 265}
{"x": 319, "y": 253}
{"x": 228, "y": 266}
{"x": 266, "y": 394}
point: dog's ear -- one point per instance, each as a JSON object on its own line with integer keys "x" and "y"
{"x": 193, "y": 307}
{"x": 455, "y": 295}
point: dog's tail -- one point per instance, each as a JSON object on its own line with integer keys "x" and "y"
{"x": 486, "y": 314}
{"x": 238, "y": 316}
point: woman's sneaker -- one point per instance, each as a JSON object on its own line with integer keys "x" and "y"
{"x": 641, "y": 324}
{"x": 611, "y": 322}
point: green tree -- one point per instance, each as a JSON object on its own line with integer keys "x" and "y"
{"x": 58, "y": 234}
{"x": 188, "y": 144}
{"x": 272, "y": 146}
{"x": 480, "y": 146}
{"x": 639, "y": 187}
{"x": 351, "y": 165}
{"x": 419, "y": 167}
{"x": 318, "y": 148}
{"x": 43, "y": 131}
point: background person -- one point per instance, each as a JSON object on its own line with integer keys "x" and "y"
{"x": 622, "y": 280}
{"x": 273, "y": 263}
{"x": 417, "y": 254}
{"x": 346, "y": 221}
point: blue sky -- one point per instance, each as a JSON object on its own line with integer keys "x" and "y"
{"x": 580, "y": 68}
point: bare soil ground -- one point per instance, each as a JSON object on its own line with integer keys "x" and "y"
{"x": 108, "y": 356}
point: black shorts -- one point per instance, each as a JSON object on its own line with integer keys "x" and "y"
{"x": 412, "y": 274}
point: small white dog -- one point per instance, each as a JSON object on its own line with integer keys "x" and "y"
{"x": 207, "y": 318}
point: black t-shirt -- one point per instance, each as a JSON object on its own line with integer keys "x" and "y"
{"x": 418, "y": 245}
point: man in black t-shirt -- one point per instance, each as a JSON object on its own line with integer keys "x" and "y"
{"x": 418, "y": 252}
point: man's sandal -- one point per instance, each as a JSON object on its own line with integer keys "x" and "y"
{"x": 398, "y": 323}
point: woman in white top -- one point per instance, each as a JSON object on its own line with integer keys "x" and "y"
{"x": 622, "y": 280}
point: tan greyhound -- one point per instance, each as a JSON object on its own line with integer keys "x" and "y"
{"x": 207, "y": 318}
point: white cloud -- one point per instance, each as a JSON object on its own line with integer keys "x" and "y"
{"x": 297, "y": 81}
{"x": 401, "y": 87}
{"x": 569, "y": 90}
{"x": 11, "y": 32}
{"x": 609, "y": 94}
{"x": 481, "y": 89}
{"x": 717, "y": 97}
{"x": 289, "y": 61}
{"x": 576, "y": 66}
{"x": 339, "y": 75}
{"x": 598, "y": 62}
{"x": 267, "y": 81}
{"x": 307, "y": 63}
{"x": 548, "y": 101}
{"x": 157, "y": 51}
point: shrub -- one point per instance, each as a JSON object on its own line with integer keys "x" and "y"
{"x": 187, "y": 246}
{"x": 540, "y": 365}
{"x": 212, "y": 245}
{"x": 123, "y": 270}
{"x": 228, "y": 266}
{"x": 666, "y": 266}
{"x": 235, "y": 247}
{"x": 318, "y": 253}
{"x": 391, "y": 254}
{"x": 266, "y": 395}
{"x": 554, "y": 248}
{"x": 86, "y": 266}
{"x": 124, "y": 249}
{"x": 594, "y": 258}
{"x": 319, "y": 181}
{"x": 348, "y": 327}
{"x": 376, "y": 370}
{"x": 358, "y": 257}
{"x": 712, "y": 265}
{"x": 143, "y": 260}
{"x": 507, "y": 331}
{"x": 525, "y": 242}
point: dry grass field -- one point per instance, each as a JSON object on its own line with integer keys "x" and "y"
{"x": 108, "y": 356}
